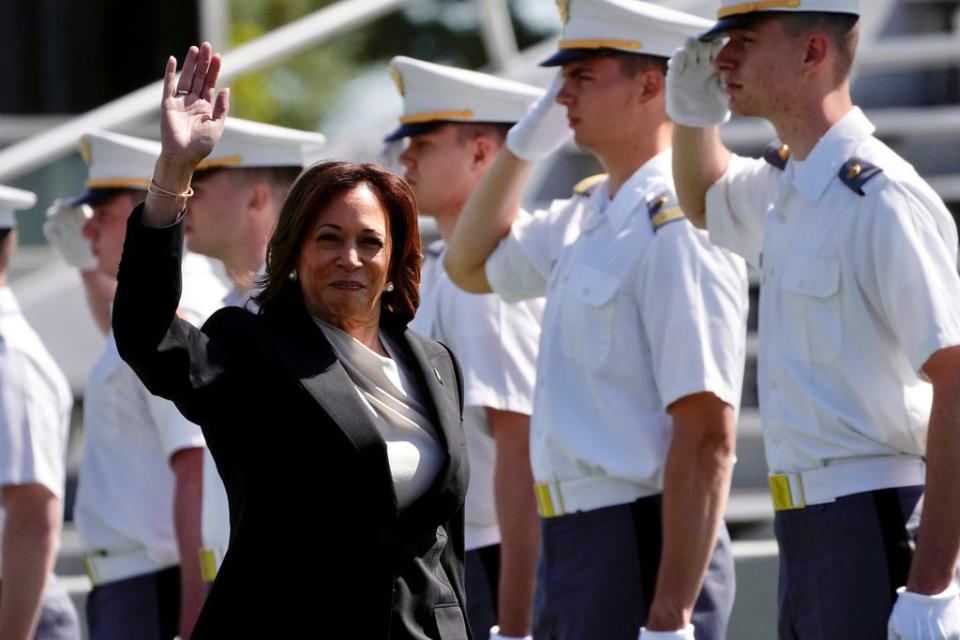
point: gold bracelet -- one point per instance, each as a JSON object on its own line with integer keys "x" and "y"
{"x": 157, "y": 190}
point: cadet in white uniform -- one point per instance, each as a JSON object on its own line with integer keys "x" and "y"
{"x": 238, "y": 192}
{"x": 138, "y": 500}
{"x": 859, "y": 320}
{"x": 641, "y": 359}
{"x": 455, "y": 122}
{"x": 35, "y": 403}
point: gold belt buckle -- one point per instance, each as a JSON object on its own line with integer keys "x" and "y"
{"x": 783, "y": 498}
{"x": 208, "y": 564}
{"x": 91, "y": 570}
{"x": 545, "y": 505}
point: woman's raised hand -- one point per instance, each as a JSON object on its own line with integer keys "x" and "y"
{"x": 192, "y": 112}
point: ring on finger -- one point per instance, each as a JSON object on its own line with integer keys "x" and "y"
{"x": 182, "y": 92}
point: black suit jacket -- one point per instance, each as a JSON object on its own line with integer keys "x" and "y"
{"x": 317, "y": 547}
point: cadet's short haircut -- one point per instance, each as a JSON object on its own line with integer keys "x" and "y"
{"x": 280, "y": 179}
{"x": 467, "y": 131}
{"x": 633, "y": 63}
{"x": 838, "y": 27}
{"x": 6, "y": 248}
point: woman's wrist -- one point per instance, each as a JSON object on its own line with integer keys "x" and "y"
{"x": 173, "y": 173}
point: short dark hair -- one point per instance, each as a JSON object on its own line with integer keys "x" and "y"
{"x": 280, "y": 179}
{"x": 633, "y": 63}
{"x": 840, "y": 28}
{"x": 467, "y": 131}
{"x": 313, "y": 191}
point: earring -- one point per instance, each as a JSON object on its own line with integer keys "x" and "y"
{"x": 389, "y": 287}
{"x": 292, "y": 276}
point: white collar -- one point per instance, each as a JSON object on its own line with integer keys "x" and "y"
{"x": 837, "y": 145}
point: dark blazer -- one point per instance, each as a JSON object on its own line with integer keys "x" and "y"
{"x": 317, "y": 548}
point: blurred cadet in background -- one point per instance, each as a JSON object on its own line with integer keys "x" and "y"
{"x": 455, "y": 122}
{"x": 139, "y": 494}
{"x": 238, "y": 192}
{"x": 35, "y": 404}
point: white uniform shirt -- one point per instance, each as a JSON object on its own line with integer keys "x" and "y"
{"x": 35, "y": 403}
{"x": 858, "y": 292}
{"x": 496, "y": 346}
{"x": 125, "y": 492}
{"x": 633, "y": 322}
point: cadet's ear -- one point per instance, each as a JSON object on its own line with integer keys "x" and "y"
{"x": 259, "y": 196}
{"x": 484, "y": 151}
{"x": 650, "y": 84}
{"x": 816, "y": 49}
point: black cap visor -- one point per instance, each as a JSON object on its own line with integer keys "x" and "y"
{"x": 414, "y": 129}
{"x": 732, "y": 23}
{"x": 93, "y": 197}
{"x": 566, "y": 56}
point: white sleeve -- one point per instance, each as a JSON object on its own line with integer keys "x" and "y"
{"x": 175, "y": 431}
{"x": 520, "y": 266}
{"x": 907, "y": 265}
{"x": 31, "y": 425}
{"x": 694, "y": 313}
{"x": 496, "y": 344}
{"x": 737, "y": 204}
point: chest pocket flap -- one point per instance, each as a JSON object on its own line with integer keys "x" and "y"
{"x": 815, "y": 277}
{"x": 588, "y": 314}
{"x": 592, "y": 286}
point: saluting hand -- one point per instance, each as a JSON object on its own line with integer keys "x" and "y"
{"x": 192, "y": 112}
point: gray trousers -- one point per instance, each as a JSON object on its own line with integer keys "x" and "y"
{"x": 58, "y": 616}
{"x": 841, "y": 564}
{"x": 598, "y": 570}
{"x": 144, "y": 607}
{"x": 482, "y": 586}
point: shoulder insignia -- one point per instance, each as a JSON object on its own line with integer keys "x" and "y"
{"x": 856, "y": 172}
{"x": 777, "y": 155}
{"x": 586, "y": 185}
{"x": 663, "y": 209}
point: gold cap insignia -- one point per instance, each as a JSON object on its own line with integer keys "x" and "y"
{"x": 85, "y": 152}
{"x": 397, "y": 79}
{"x": 563, "y": 6}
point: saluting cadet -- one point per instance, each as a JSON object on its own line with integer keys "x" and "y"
{"x": 138, "y": 500}
{"x": 456, "y": 122}
{"x": 35, "y": 403}
{"x": 859, "y": 319}
{"x": 642, "y": 352}
{"x": 238, "y": 192}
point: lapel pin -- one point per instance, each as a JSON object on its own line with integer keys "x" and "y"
{"x": 437, "y": 373}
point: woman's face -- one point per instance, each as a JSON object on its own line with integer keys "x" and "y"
{"x": 344, "y": 260}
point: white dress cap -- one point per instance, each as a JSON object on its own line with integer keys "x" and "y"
{"x": 592, "y": 27}
{"x": 115, "y": 161}
{"x": 12, "y": 200}
{"x": 254, "y": 144}
{"x": 435, "y": 93}
{"x": 736, "y": 14}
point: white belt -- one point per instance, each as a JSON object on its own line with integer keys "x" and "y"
{"x": 844, "y": 478}
{"x": 104, "y": 567}
{"x": 585, "y": 494}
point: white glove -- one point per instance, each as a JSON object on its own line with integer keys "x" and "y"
{"x": 919, "y": 617}
{"x": 694, "y": 95}
{"x": 496, "y": 635}
{"x": 679, "y": 634}
{"x": 543, "y": 129}
{"x": 64, "y": 231}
